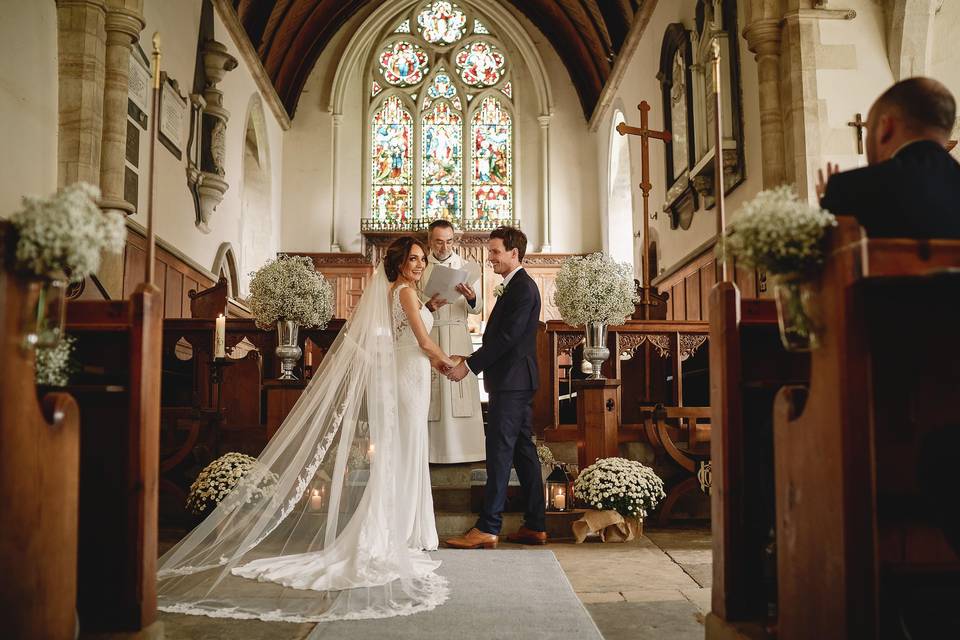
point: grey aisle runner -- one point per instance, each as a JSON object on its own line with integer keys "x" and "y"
{"x": 521, "y": 594}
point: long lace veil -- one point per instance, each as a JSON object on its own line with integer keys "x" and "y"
{"x": 310, "y": 533}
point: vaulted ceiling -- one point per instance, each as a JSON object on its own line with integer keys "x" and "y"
{"x": 290, "y": 35}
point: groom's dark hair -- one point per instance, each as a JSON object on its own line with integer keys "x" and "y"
{"x": 512, "y": 239}
{"x": 397, "y": 254}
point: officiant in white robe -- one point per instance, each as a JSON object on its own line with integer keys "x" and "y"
{"x": 455, "y": 419}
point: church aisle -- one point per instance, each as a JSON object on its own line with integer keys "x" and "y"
{"x": 652, "y": 588}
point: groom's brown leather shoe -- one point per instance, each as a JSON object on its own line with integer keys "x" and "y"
{"x": 528, "y": 536}
{"x": 474, "y": 539}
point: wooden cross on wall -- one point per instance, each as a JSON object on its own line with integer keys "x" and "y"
{"x": 860, "y": 125}
{"x": 645, "y": 134}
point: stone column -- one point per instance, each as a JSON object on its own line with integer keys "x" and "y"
{"x": 124, "y": 22}
{"x": 544, "y": 182}
{"x": 81, "y": 44}
{"x": 763, "y": 39}
{"x": 336, "y": 120}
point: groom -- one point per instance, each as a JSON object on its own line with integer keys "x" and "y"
{"x": 509, "y": 359}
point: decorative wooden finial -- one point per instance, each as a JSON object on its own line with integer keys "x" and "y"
{"x": 156, "y": 59}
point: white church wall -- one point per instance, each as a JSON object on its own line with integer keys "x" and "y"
{"x": 852, "y": 71}
{"x": 945, "y": 58}
{"x": 178, "y": 24}
{"x": 28, "y": 102}
{"x": 307, "y": 185}
{"x": 639, "y": 83}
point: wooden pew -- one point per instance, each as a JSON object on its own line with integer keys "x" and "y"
{"x": 39, "y": 468}
{"x": 748, "y": 365}
{"x": 118, "y": 390}
{"x": 861, "y": 453}
{"x": 197, "y": 426}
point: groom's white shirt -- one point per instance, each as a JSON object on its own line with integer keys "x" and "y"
{"x": 510, "y": 275}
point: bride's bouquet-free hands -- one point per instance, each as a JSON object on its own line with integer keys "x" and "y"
{"x": 443, "y": 363}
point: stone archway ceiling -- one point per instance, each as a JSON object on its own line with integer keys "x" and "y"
{"x": 290, "y": 35}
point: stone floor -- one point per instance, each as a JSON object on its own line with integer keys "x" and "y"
{"x": 655, "y": 587}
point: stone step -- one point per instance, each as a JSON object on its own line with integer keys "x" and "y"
{"x": 452, "y": 523}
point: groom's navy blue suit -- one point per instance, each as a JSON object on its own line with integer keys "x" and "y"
{"x": 508, "y": 360}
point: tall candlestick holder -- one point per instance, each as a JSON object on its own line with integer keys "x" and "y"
{"x": 217, "y": 367}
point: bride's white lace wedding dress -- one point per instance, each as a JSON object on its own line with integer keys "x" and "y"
{"x": 333, "y": 521}
{"x": 413, "y": 372}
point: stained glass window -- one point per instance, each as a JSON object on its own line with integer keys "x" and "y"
{"x": 441, "y": 162}
{"x": 441, "y": 87}
{"x": 451, "y": 158}
{"x": 392, "y": 173}
{"x": 442, "y": 23}
{"x": 403, "y": 63}
{"x": 492, "y": 134}
{"x": 480, "y": 64}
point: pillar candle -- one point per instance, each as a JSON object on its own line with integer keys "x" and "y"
{"x": 316, "y": 501}
{"x": 220, "y": 337}
{"x": 560, "y": 502}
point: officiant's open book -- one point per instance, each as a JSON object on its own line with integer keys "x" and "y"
{"x": 444, "y": 280}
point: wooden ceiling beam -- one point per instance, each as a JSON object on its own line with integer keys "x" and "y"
{"x": 618, "y": 17}
{"x": 253, "y": 16}
{"x": 286, "y": 33}
{"x": 279, "y": 13}
{"x": 568, "y": 42}
{"x": 303, "y": 52}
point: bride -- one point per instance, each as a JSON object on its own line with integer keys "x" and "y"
{"x": 333, "y": 520}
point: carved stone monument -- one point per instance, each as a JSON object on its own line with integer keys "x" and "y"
{"x": 208, "y": 126}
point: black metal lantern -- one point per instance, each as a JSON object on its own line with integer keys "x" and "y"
{"x": 559, "y": 489}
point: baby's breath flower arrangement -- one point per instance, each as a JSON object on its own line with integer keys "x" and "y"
{"x": 290, "y": 288}
{"x": 53, "y": 363}
{"x": 626, "y": 486}
{"x": 595, "y": 288}
{"x": 784, "y": 236}
{"x": 778, "y": 233}
{"x": 65, "y": 234}
{"x": 219, "y": 478}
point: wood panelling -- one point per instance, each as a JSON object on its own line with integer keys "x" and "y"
{"x": 692, "y": 288}
{"x": 348, "y": 273}
{"x": 174, "y": 276}
{"x": 690, "y": 283}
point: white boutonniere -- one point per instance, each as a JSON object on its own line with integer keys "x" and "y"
{"x": 498, "y": 290}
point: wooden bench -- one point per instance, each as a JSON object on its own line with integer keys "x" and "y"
{"x": 118, "y": 391}
{"x": 865, "y": 487}
{"x": 748, "y": 365}
{"x": 39, "y": 468}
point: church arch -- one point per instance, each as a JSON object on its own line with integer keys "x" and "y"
{"x": 225, "y": 265}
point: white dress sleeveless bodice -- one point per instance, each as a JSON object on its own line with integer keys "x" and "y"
{"x": 413, "y": 379}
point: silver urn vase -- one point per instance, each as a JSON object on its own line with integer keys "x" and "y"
{"x": 595, "y": 351}
{"x": 288, "y": 350}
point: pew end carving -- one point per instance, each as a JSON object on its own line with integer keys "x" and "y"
{"x": 118, "y": 391}
{"x": 748, "y": 365}
{"x": 39, "y": 469}
{"x": 864, "y": 487}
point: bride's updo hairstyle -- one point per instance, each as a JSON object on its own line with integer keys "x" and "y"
{"x": 397, "y": 254}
